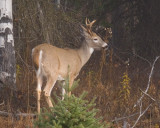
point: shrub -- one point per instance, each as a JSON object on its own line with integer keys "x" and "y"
{"x": 72, "y": 112}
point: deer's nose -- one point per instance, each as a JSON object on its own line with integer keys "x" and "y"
{"x": 104, "y": 45}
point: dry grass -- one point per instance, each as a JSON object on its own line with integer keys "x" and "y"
{"x": 9, "y": 122}
{"x": 102, "y": 80}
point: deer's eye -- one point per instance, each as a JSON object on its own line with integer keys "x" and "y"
{"x": 95, "y": 40}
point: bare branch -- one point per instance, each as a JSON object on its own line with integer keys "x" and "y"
{"x": 28, "y": 66}
{"x": 149, "y": 81}
{"x": 147, "y": 95}
{"x": 41, "y": 16}
{"x": 141, "y": 114}
{"x": 139, "y": 102}
{"x": 143, "y": 59}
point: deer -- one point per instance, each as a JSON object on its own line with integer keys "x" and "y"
{"x": 52, "y": 62}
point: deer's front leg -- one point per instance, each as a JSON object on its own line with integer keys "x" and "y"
{"x": 70, "y": 85}
{"x": 63, "y": 90}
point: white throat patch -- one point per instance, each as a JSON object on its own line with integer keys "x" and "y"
{"x": 91, "y": 50}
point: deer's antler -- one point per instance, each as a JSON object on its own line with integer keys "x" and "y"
{"x": 89, "y": 25}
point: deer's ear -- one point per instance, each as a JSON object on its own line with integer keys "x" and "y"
{"x": 84, "y": 31}
{"x": 83, "y": 28}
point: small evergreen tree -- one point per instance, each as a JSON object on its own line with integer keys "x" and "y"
{"x": 72, "y": 112}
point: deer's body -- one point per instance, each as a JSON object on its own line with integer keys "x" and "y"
{"x": 53, "y": 62}
{"x": 60, "y": 63}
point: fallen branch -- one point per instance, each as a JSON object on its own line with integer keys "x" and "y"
{"x": 6, "y": 114}
{"x": 126, "y": 117}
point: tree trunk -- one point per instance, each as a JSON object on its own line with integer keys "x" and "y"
{"x": 58, "y": 3}
{"x": 7, "y": 52}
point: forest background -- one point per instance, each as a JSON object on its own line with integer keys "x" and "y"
{"x": 116, "y": 77}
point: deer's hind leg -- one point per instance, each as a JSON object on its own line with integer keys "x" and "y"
{"x": 39, "y": 85}
{"x": 39, "y": 74}
{"x": 51, "y": 80}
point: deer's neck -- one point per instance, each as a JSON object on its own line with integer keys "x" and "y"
{"x": 85, "y": 52}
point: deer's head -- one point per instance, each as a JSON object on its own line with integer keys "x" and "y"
{"x": 92, "y": 39}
